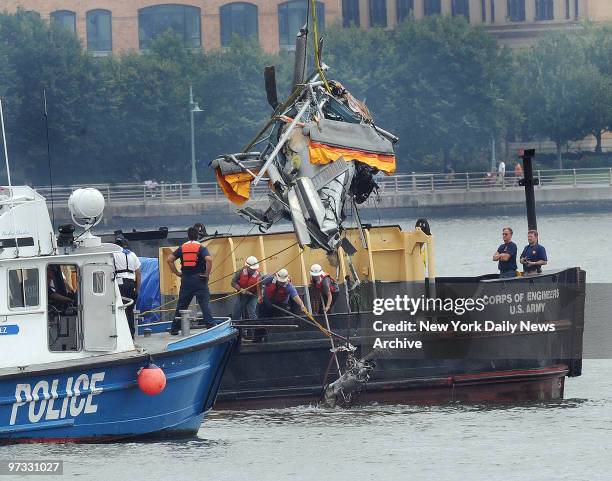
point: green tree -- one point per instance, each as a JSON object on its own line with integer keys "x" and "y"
{"x": 437, "y": 83}
{"x": 597, "y": 42}
{"x": 38, "y": 59}
{"x": 558, "y": 88}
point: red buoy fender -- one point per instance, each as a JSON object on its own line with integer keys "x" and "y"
{"x": 151, "y": 380}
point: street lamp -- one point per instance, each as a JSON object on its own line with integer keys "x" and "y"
{"x": 493, "y": 145}
{"x": 193, "y": 108}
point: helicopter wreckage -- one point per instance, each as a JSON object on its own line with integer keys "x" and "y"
{"x": 319, "y": 153}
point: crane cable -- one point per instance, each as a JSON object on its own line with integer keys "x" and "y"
{"x": 315, "y": 40}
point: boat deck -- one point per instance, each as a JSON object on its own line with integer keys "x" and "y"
{"x": 158, "y": 342}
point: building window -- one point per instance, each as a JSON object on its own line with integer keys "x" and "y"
{"x": 576, "y": 10}
{"x": 544, "y": 10}
{"x": 23, "y": 288}
{"x": 432, "y": 7}
{"x": 461, "y": 7}
{"x": 567, "y": 9}
{"x": 240, "y": 19}
{"x": 516, "y": 10}
{"x": 492, "y": 11}
{"x": 483, "y": 10}
{"x": 292, "y": 17}
{"x": 350, "y": 13}
{"x": 405, "y": 8}
{"x": 65, "y": 19}
{"x": 378, "y": 13}
{"x": 182, "y": 19}
{"x": 33, "y": 14}
{"x": 99, "y": 31}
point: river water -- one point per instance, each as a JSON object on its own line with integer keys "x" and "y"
{"x": 564, "y": 440}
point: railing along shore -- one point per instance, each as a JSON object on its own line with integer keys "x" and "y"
{"x": 406, "y": 184}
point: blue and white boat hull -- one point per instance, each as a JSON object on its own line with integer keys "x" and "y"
{"x": 98, "y": 398}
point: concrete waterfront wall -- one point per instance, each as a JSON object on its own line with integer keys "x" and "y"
{"x": 483, "y": 197}
{"x": 422, "y": 201}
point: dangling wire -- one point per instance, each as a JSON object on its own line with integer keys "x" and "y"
{"x": 307, "y": 25}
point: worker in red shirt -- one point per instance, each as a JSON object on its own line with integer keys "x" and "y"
{"x": 325, "y": 286}
{"x": 247, "y": 281}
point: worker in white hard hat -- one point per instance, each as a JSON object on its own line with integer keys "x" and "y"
{"x": 277, "y": 291}
{"x": 325, "y": 286}
{"x": 247, "y": 282}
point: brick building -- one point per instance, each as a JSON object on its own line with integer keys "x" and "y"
{"x": 107, "y": 26}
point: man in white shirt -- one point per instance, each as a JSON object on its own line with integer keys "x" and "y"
{"x": 501, "y": 171}
{"x": 127, "y": 271}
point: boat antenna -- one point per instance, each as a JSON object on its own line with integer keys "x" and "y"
{"x": 49, "y": 159}
{"x": 8, "y": 174}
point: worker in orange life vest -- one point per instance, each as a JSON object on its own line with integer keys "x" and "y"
{"x": 196, "y": 265}
{"x": 277, "y": 291}
{"x": 247, "y": 282}
{"x": 325, "y": 286}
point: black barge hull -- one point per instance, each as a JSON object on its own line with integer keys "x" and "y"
{"x": 293, "y": 363}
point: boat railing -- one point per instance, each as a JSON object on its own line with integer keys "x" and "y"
{"x": 401, "y": 183}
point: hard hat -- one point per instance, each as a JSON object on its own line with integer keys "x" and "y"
{"x": 251, "y": 262}
{"x": 282, "y": 275}
{"x": 316, "y": 270}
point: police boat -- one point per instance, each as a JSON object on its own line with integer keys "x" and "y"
{"x": 69, "y": 369}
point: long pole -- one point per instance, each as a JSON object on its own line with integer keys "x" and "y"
{"x": 8, "y": 175}
{"x": 331, "y": 338}
{"x": 528, "y": 182}
{"x": 194, "y": 174}
{"x": 49, "y": 160}
{"x": 493, "y": 154}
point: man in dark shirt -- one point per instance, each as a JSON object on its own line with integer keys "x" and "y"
{"x": 505, "y": 256}
{"x": 196, "y": 265}
{"x": 534, "y": 255}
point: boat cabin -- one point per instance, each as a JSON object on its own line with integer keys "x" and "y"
{"x": 59, "y": 303}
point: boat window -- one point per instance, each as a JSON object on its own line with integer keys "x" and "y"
{"x": 98, "y": 283}
{"x": 23, "y": 288}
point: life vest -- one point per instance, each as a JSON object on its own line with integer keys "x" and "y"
{"x": 127, "y": 269}
{"x": 333, "y": 285}
{"x": 190, "y": 254}
{"x": 247, "y": 281}
{"x": 275, "y": 293}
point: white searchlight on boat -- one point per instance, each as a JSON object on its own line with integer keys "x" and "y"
{"x": 86, "y": 208}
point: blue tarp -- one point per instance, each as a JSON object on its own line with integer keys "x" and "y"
{"x": 149, "y": 296}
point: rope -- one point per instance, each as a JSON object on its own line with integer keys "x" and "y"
{"x": 316, "y": 46}
{"x": 159, "y": 309}
{"x": 246, "y": 291}
{"x": 264, "y": 259}
{"x": 234, "y": 249}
